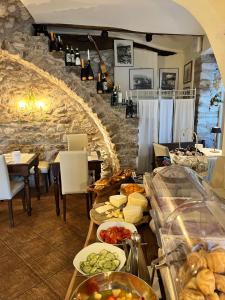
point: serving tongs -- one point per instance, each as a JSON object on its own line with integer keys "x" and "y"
{"x": 163, "y": 261}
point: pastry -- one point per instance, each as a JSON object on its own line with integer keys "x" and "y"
{"x": 206, "y": 281}
{"x": 196, "y": 261}
{"x": 131, "y": 188}
{"x": 192, "y": 284}
{"x": 102, "y": 182}
{"x": 189, "y": 294}
{"x": 220, "y": 282}
{"x": 216, "y": 261}
{"x": 222, "y": 296}
{"x": 214, "y": 296}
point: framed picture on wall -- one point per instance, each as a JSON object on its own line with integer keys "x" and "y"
{"x": 187, "y": 72}
{"x": 141, "y": 79}
{"x": 168, "y": 78}
{"x": 123, "y": 53}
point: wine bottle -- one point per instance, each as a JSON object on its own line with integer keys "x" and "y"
{"x": 67, "y": 56}
{"x": 83, "y": 76}
{"x": 89, "y": 71}
{"x": 72, "y": 54}
{"x": 119, "y": 95}
{"x": 104, "y": 84}
{"x": 114, "y": 99}
{"x": 52, "y": 42}
{"x": 77, "y": 58}
{"x": 99, "y": 85}
{"x": 59, "y": 43}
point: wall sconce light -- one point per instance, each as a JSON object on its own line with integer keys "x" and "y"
{"x": 104, "y": 34}
{"x": 40, "y": 105}
{"x": 22, "y": 104}
{"x": 148, "y": 37}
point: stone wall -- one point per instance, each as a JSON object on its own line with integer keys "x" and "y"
{"x": 205, "y": 68}
{"x": 14, "y": 17}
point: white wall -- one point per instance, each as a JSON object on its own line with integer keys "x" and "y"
{"x": 142, "y": 59}
{"x": 173, "y": 61}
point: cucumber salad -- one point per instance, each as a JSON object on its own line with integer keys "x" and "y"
{"x": 104, "y": 261}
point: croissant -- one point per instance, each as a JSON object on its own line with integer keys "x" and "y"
{"x": 216, "y": 261}
{"x": 206, "y": 281}
{"x": 192, "y": 284}
{"x": 222, "y": 296}
{"x": 188, "y": 294}
{"x": 220, "y": 282}
{"x": 214, "y": 296}
{"x": 196, "y": 261}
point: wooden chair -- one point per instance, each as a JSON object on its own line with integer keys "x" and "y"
{"x": 218, "y": 177}
{"x": 74, "y": 176}
{"x": 77, "y": 142}
{"x": 9, "y": 188}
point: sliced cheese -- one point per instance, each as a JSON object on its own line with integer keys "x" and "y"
{"x": 118, "y": 200}
{"x": 103, "y": 209}
{"x": 132, "y": 214}
{"x": 138, "y": 199}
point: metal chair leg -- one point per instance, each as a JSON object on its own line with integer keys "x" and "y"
{"x": 10, "y": 210}
{"x": 64, "y": 208}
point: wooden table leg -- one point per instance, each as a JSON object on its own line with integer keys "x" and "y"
{"x": 28, "y": 197}
{"x": 36, "y": 178}
{"x": 56, "y": 191}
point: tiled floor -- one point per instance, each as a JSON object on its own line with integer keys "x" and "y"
{"x": 36, "y": 255}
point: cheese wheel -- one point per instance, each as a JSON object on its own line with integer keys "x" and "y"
{"x": 138, "y": 199}
{"x": 118, "y": 200}
{"x": 132, "y": 213}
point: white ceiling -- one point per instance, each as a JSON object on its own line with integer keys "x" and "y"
{"x": 155, "y": 16}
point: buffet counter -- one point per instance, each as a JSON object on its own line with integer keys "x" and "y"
{"x": 150, "y": 248}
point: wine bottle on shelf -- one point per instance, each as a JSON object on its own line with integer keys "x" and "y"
{"x": 52, "y": 41}
{"x": 104, "y": 84}
{"x": 72, "y": 54}
{"x": 119, "y": 95}
{"x": 89, "y": 71}
{"x": 99, "y": 85}
{"x": 67, "y": 56}
{"x": 77, "y": 58}
{"x": 126, "y": 98}
{"x": 59, "y": 43}
{"x": 114, "y": 98}
{"x": 83, "y": 76}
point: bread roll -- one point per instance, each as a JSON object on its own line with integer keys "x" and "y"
{"x": 196, "y": 261}
{"x": 220, "y": 282}
{"x": 216, "y": 261}
{"x": 189, "y": 294}
{"x": 206, "y": 282}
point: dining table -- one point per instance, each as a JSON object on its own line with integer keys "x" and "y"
{"x": 21, "y": 167}
{"x": 94, "y": 164}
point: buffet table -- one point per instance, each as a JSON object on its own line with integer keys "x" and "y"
{"x": 150, "y": 250}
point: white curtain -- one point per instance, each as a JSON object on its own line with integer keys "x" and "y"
{"x": 183, "y": 120}
{"x": 166, "y": 120}
{"x": 148, "y": 132}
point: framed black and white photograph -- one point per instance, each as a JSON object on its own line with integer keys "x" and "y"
{"x": 168, "y": 78}
{"x": 141, "y": 79}
{"x": 123, "y": 53}
{"x": 187, "y": 72}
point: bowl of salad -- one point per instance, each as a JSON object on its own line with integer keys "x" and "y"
{"x": 98, "y": 258}
{"x": 114, "y": 286}
{"x": 115, "y": 232}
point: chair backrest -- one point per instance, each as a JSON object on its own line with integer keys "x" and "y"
{"x": 5, "y": 191}
{"x": 77, "y": 142}
{"x": 161, "y": 150}
{"x": 74, "y": 171}
{"x": 218, "y": 175}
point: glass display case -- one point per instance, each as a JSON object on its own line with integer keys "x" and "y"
{"x": 191, "y": 233}
{"x": 173, "y": 186}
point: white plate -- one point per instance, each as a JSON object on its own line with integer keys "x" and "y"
{"x": 109, "y": 224}
{"x": 96, "y": 248}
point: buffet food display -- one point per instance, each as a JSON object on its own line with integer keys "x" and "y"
{"x": 191, "y": 234}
